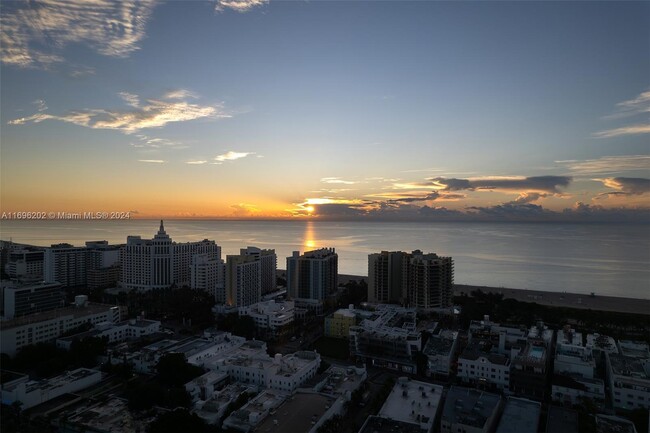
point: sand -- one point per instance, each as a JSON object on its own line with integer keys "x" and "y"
{"x": 563, "y": 299}
{"x": 553, "y": 299}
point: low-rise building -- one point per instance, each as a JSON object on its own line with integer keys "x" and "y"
{"x": 250, "y": 364}
{"x": 18, "y": 388}
{"x": 520, "y": 416}
{"x": 273, "y": 318}
{"x": 387, "y": 339}
{"x": 440, "y": 352}
{"x": 609, "y": 424}
{"x": 197, "y": 351}
{"x": 413, "y": 402}
{"x": 574, "y": 389}
{"x": 49, "y": 325}
{"x": 529, "y": 372}
{"x": 629, "y": 381}
{"x": 338, "y": 324}
{"x": 110, "y": 416}
{"x": 563, "y": 420}
{"x": 114, "y": 332}
{"x": 22, "y": 299}
{"x": 253, "y": 412}
{"x": 634, "y": 349}
{"x": 480, "y": 367}
{"x": 573, "y": 359}
{"x": 469, "y": 410}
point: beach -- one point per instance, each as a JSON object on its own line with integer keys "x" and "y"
{"x": 552, "y": 299}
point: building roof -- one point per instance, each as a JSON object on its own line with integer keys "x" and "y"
{"x": 412, "y": 401}
{"x": 297, "y": 414}
{"x": 109, "y": 416}
{"x": 561, "y": 420}
{"x": 378, "y": 424}
{"x": 469, "y": 406}
{"x": 628, "y": 366}
{"x": 90, "y": 308}
{"x": 520, "y": 416}
{"x": 439, "y": 345}
{"x": 614, "y": 424}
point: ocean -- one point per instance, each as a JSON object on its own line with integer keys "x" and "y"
{"x": 607, "y": 259}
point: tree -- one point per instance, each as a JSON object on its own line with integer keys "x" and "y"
{"x": 179, "y": 420}
{"x": 174, "y": 370}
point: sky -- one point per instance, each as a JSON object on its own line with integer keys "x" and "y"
{"x": 327, "y": 109}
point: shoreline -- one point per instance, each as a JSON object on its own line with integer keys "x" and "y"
{"x": 550, "y": 299}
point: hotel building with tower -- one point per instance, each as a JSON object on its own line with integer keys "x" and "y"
{"x": 159, "y": 263}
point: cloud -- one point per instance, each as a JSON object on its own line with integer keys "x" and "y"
{"x": 154, "y": 113}
{"x": 527, "y": 197}
{"x": 509, "y": 211}
{"x": 608, "y": 164}
{"x": 633, "y": 107}
{"x": 625, "y": 130}
{"x": 244, "y": 210}
{"x": 181, "y": 94}
{"x": 231, "y": 156}
{"x": 239, "y": 5}
{"x": 32, "y": 34}
{"x": 40, "y": 105}
{"x": 549, "y": 184}
{"x": 196, "y": 162}
{"x": 626, "y": 185}
{"x": 337, "y": 180}
{"x": 153, "y": 161}
{"x": 130, "y": 99}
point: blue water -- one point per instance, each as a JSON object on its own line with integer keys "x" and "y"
{"x": 607, "y": 259}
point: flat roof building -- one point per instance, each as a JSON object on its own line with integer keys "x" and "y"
{"x": 49, "y": 325}
{"x": 34, "y": 392}
{"x": 561, "y": 420}
{"x": 520, "y": 416}
{"x": 413, "y": 402}
{"x": 469, "y": 410}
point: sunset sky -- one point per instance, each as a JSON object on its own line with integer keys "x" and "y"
{"x": 327, "y": 109}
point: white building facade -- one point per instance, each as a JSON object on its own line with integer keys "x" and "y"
{"x": 159, "y": 263}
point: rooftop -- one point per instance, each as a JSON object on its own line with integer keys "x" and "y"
{"x": 469, "y": 406}
{"x": 520, "y": 416}
{"x": 440, "y": 344}
{"x": 73, "y": 311}
{"x": 634, "y": 349}
{"x": 298, "y": 413}
{"x": 378, "y": 424}
{"x": 561, "y": 420}
{"x": 110, "y": 416}
{"x": 614, "y": 424}
{"x": 60, "y": 381}
{"x": 628, "y": 366}
{"x": 532, "y": 354}
{"x": 413, "y": 401}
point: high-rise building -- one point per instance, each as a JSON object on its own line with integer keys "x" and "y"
{"x": 102, "y": 264}
{"x": 25, "y": 264}
{"x": 65, "y": 264}
{"x": 415, "y": 279}
{"x": 269, "y": 263}
{"x": 387, "y": 277}
{"x": 313, "y": 275}
{"x": 243, "y": 282}
{"x": 430, "y": 281}
{"x": 208, "y": 274}
{"x": 159, "y": 263}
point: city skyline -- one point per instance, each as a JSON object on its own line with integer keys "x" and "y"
{"x": 327, "y": 110}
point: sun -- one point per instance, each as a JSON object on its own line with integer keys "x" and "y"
{"x": 309, "y": 209}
